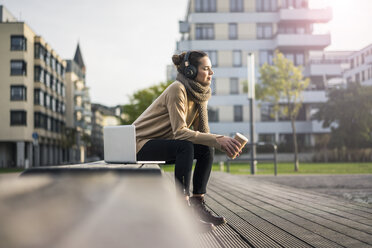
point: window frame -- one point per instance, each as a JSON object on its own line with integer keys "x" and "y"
{"x": 233, "y": 31}
{"x": 205, "y": 6}
{"x": 238, "y": 113}
{"x": 202, "y": 31}
{"x": 236, "y": 5}
{"x": 240, "y": 58}
{"x": 234, "y": 86}
{"x": 22, "y": 122}
{"x": 23, "y": 45}
{"x": 15, "y": 71}
{"x": 23, "y": 95}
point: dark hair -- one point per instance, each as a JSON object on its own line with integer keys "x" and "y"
{"x": 194, "y": 57}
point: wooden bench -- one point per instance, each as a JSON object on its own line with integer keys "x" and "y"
{"x": 93, "y": 205}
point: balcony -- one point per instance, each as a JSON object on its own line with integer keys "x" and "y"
{"x": 306, "y": 15}
{"x": 308, "y": 41}
{"x": 79, "y": 93}
{"x": 369, "y": 60}
{"x": 323, "y": 69}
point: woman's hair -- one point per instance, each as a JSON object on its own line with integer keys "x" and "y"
{"x": 194, "y": 57}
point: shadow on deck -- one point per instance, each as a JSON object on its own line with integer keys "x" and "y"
{"x": 262, "y": 214}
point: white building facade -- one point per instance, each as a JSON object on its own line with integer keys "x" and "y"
{"x": 228, "y": 30}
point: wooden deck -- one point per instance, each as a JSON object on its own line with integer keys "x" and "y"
{"x": 262, "y": 214}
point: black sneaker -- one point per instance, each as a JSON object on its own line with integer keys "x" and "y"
{"x": 198, "y": 205}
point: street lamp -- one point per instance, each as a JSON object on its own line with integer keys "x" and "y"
{"x": 251, "y": 96}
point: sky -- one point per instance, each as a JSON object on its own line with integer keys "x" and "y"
{"x": 127, "y": 44}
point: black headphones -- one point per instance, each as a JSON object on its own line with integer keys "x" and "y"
{"x": 189, "y": 71}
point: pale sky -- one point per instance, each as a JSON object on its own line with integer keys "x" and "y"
{"x": 126, "y": 44}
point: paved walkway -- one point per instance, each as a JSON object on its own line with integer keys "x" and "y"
{"x": 264, "y": 214}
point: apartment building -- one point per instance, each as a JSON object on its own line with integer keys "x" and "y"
{"x": 78, "y": 109}
{"x": 228, "y": 30}
{"x": 360, "y": 67}
{"x": 102, "y": 116}
{"x": 33, "y": 100}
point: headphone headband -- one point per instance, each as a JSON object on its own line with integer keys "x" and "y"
{"x": 186, "y": 59}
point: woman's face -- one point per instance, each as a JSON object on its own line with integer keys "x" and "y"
{"x": 205, "y": 72}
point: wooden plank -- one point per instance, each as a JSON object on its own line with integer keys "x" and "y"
{"x": 97, "y": 210}
{"x": 275, "y": 200}
{"x": 298, "y": 217}
{"x": 356, "y": 221}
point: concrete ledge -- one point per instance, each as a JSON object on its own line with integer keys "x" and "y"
{"x": 95, "y": 167}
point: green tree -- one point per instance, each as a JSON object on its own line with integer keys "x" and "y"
{"x": 140, "y": 100}
{"x": 281, "y": 85}
{"x": 349, "y": 114}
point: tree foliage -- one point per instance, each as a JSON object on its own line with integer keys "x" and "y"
{"x": 349, "y": 114}
{"x": 281, "y": 85}
{"x": 141, "y": 100}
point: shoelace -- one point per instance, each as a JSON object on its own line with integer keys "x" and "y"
{"x": 204, "y": 208}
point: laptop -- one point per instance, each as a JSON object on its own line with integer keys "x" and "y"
{"x": 119, "y": 144}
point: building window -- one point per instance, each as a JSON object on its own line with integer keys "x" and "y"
{"x": 18, "y": 43}
{"x": 39, "y": 120}
{"x": 213, "y": 114}
{"x": 46, "y": 100}
{"x": 295, "y": 4}
{"x": 18, "y": 118}
{"x": 233, "y": 31}
{"x": 18, "y": 93}
{"x": 264, "y": 31}
{"x": 238, "y": 113}
{"x": 53, "y": 105}
{"x": 205, "y": 6}
{"x": 237, "y": 58}
{"x": 213, "y": 86}
{"x": 38, "y": 97}
{"x": 204, "y": 31}
{"x": 266, "y": 5}
{"x": 266, "y": 56}
{"x": 63, "y": 90}
{"x": 39, "y": 74}
{"x": 300, "y": 60}
{"x": 40, "y": 51}
{"x": 266, "y": 137}
{"x": 18, "y": 68}
{"x": 47, "y": 79}
{"x": 213, "y": 57}
{"x": 267, "y": 113}
{"x": 236, "y": 6}
{"x": 234, "y": 86}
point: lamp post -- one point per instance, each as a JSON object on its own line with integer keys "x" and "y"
{"x": 251, "y": 96}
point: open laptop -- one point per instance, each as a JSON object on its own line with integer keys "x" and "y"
{"x": 119, "y": 144}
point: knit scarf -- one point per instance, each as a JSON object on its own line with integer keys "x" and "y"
{"x": 200, "y": 94}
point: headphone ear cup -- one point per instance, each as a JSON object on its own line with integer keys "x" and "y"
{"x": 190, "y": 72}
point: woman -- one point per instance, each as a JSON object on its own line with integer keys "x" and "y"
{"x": 175, "y": 128}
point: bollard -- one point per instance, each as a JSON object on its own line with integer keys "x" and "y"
{"x": 222, "y": 166}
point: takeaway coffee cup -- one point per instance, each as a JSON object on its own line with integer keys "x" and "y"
{"x": 242, "y": 140}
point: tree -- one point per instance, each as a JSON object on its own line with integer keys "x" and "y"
{"x": 281, "y": 85}
{"x": 140, "y": 100}
{"x": 349, "y": 114}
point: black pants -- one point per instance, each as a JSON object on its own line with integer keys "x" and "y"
{"x": 182, "y": 153}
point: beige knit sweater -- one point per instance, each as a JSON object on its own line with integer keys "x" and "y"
{"x": 171, "y": 116}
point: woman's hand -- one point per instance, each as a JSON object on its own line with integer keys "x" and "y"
{"x": 229, "y": 145}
